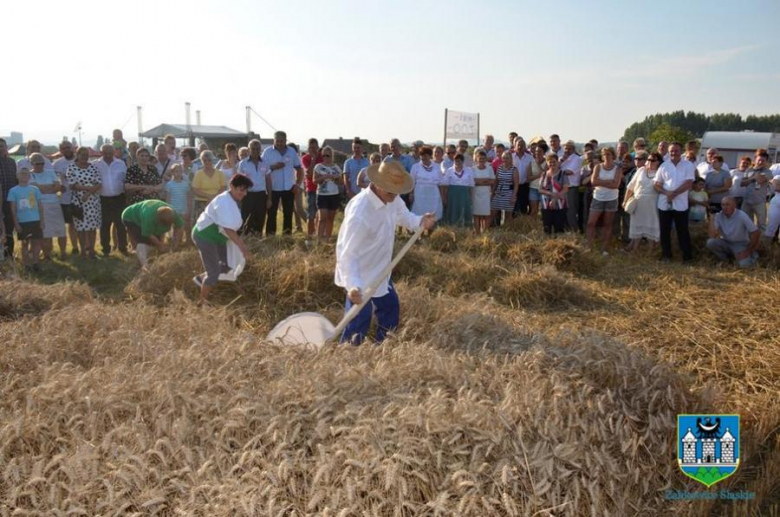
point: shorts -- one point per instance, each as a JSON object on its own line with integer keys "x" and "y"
{"x": 534, "y": 196}
{"x": 31, "y": 230}
{"x": 604, "y": 206}
{"x": 67, "y": 214}
{"x": 134, "y": 231}
{"x": 330, "y": 202}
{"x": 311, "y": 205}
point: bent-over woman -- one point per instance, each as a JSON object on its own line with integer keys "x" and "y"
{"x": 217, "y": 224}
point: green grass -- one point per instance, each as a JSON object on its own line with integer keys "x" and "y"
{"x": 107, "y": 276}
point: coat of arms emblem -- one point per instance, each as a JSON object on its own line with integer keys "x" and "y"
{"x": 708, "y": 446}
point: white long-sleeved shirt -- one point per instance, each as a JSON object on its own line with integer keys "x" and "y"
{"x": 112, "y": 176}
{"x": 366, "y": 238}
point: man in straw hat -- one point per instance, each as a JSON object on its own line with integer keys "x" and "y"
{"x": 365, "y": 247}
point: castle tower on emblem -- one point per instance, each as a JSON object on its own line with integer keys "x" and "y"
{"x": 727, "y": 447}
{"x": 689, "y": 447}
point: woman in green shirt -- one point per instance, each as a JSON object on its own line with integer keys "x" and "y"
{"x": 218, "y": 224}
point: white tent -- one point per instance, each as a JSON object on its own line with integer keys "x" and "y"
{"x": 733, "y": 144}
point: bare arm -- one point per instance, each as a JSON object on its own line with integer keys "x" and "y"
{"x": 725, "y": 188}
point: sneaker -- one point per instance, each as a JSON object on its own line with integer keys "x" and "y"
{"x": 198, "y": 279}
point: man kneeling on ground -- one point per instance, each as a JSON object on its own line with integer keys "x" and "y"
{"x": 147, "y": 222}
{"x": 733, "y": 235}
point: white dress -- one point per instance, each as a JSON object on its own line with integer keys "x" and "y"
{"x": 644, "y": 221}
{"x": 480, "y": 196}
{"x": 427, "y": 196}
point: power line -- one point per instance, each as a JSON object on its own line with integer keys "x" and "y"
{"x": 261, "y": 118}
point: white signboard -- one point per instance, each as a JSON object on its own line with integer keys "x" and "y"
{"x": 461, "y": 125}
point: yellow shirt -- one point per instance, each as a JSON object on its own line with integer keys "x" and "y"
{"x": 213, "y": 185}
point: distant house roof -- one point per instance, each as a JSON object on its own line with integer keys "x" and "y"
{"x": 182, "y": 131}
{"x": 341, "y": 145}
{"x": 742, "y": 140}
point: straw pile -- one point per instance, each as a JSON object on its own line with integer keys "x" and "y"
{"x": 529, "y": 378}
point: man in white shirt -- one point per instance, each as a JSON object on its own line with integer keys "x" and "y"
{"x": 365, "y": 247}
{"x": 555, "y": 145}
{"x": 491, "y": 153}
{"x": 663, "y": 150}
{"x": 112, "y": 199}
{"x": 163, "y": 162}
{"x": 571, "y": 166}
{"x": 522, "y": 159}
{"x": 775, "y": 170}
{"x": 60, "y": 166}
{"x": 463, "y": 148}
{"x": 673, "y": 181}
{"x": 33, "y": 146}
{"x": 705, "y": 167}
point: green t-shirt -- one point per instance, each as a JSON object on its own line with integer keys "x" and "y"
{"x": 144, "y": 215}
{"x": 210, "y": 233}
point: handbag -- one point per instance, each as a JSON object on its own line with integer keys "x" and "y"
{"x": 630, "y": 206}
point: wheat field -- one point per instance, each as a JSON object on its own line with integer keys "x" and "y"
{"x": 529, "y": 377}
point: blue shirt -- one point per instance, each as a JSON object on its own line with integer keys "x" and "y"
{"x": 45, "y": 178}
{"x": 352, "y": 168}
{"x": 284, "y": 178}
{"x": 256, "y": 173}
{"x": 178, "y": 191}
{"x": 27, "y": 200}
{"x": 406, "y": 160}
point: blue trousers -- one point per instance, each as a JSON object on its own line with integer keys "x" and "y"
{"x": 387, "y": 310}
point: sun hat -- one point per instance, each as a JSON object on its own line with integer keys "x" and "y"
{"x": 391, "y": 177}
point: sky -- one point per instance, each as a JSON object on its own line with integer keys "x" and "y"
{"x": 377, "y": 70}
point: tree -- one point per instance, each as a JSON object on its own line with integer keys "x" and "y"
{"x": 99, "y": 143}
{"x": 74, "y": 142}
{"x": 670, "y": 133}
{"x": 696, "y": 124}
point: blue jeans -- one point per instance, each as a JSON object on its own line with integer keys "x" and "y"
{"x": 387, "y": 310}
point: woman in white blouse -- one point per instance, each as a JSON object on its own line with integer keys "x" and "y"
{"x": 644, "y": 215}
{"x": 458, "y": 182}
{"x": 427, "y": 197}
{"x": 484, "y": 179}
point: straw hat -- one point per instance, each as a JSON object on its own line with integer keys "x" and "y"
{"x": 391, "y": 177}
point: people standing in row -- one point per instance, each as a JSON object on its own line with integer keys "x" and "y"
{"x": 458, "y": 181}
{"x": 644, "y": 216}
{"x": 484, "y": 180}
{"x": 352, "y": 168}
{"x": 257, "y": 202}
{"x": 606, "y": 182}
{"x": 327, "y": 176}
{"x": 207, "y": 183}
{"x": 84, "y": 181}
{"x": 286, "y": 173}
{"x": 507, "y": 186}
{"x": 49, "y": 185}
{"x": 673, "y": 181}
{"x": 113, "y": 174}
{"x": 427, "y": 196}
{"x": 60, "y": 167}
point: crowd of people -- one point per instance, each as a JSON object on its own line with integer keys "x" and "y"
{"x": 632, "y": 195}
